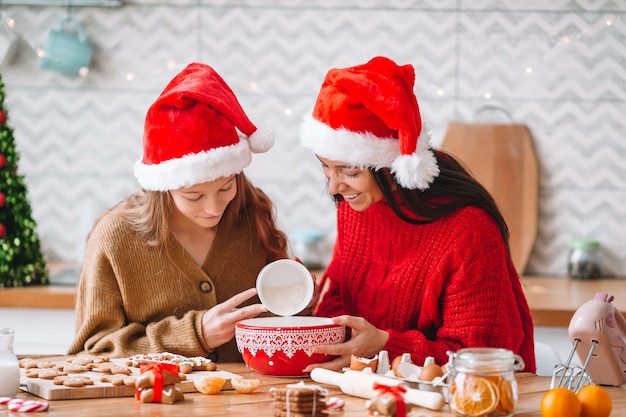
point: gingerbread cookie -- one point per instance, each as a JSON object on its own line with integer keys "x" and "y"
{"x": 300, "y": 400}
{"x": 27, "y": 363}
{"x": 74, "y": 381}
{"x": 169, "y": 395}
{"x": 110, "y": 368}
{"x": 185, "y": 364}
{"x": 49, "y": 373}
{"x": 147, "y": 379}
{"x": 73, "y": 368}
{"x": 87, "y": 359}
{"x": 283, "y": 413}
{"x": 118, "y": 380}
{"x": 300, "y": 406}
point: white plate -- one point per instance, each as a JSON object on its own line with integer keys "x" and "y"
{"x": 285, "y": 287}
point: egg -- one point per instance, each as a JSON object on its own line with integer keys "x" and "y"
{"x": 430, "y": 372}
{"x": 358, "y": 363}
{"x": 406, "y": 357}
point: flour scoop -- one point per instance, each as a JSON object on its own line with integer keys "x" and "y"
{"x": 598, "y": 334}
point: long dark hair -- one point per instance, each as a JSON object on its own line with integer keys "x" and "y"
{"x": 452, "y": 190}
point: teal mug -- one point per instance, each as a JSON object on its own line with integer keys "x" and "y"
{"x": 66, "y": 49}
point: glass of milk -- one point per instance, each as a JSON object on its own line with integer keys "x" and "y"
{"x": 9, "y": 366}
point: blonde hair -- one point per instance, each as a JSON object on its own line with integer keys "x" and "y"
{"x": 149, "y": 214}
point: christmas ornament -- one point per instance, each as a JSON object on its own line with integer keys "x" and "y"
{"x": 3, "y": 117}
{"x": 3, "y": 230}
{"x": 3, "y": 160}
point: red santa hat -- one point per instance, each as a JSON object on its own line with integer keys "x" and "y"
{"x": 367, "y": 115}
{"x": 191, "y": 133}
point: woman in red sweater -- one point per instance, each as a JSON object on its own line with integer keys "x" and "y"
{"x": 421, "y": 263}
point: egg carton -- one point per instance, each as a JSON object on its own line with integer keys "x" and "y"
{"x": 402, "y": 368}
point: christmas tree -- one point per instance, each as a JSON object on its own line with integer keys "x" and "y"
{"x": 21, "y": 260}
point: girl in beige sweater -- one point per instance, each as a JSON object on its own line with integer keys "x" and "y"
{"x": 173, "y": 267}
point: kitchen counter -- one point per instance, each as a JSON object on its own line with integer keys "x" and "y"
{"x": 39, "y": 296}
{"x": 552, "y": 300}
{"x": 260, "y": 403}
{"x": 42, "y": 296}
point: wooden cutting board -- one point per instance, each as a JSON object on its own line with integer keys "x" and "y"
{"x": 46, "y": 389}
{"x": 503, "y": 159}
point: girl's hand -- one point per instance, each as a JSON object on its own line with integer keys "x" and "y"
{"x": 366, "y": 342}
{"x": 218, "y": 323}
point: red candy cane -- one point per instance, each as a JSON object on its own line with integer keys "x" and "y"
{"x": 24, "y": 406}
{"x": 335, "y": 403}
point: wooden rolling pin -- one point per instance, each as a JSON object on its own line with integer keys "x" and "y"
{"x": 360, "y": 384}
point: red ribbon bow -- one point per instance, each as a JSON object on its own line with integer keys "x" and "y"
{"x": 397, "y": 391}
{"x": 157, "y": 369}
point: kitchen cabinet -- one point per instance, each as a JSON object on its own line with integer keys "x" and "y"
{"x": 42, "y": 316}
{"x": 39, "y": 330}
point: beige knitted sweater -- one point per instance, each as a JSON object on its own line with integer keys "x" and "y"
{"x": 133, "y": 298}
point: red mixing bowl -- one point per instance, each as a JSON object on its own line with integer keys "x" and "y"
{"x": 282, "y": 346}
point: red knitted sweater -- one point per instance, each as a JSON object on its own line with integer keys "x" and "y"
{"x": 435, "y": 288}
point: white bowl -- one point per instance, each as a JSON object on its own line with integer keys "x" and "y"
{"x": 285, "y": 287}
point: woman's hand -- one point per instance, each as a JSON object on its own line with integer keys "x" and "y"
{"x": 218, "y": 323}
{"x": 366, "y": 341}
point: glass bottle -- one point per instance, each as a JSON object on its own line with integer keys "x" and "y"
{"x": 482, "y": 381}
{"x": 584, "y": 259}
{"x": 306, "y": 247}
{"x": 9, "y": 366}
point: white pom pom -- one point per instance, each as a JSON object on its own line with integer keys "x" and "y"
{"x": 262, "y": 140}
{"x": 417, "y": 170}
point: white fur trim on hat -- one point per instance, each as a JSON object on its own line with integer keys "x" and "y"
{"x": 412, "y": 171}
{"x": 354, "y": 148}
{"x": 261, "y": 140}
{"x": 418, "y": 169}
{"x": 194, "y": 168}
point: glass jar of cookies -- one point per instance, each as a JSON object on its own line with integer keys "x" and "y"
{"x": 584, "y": 259}
{"x": 482, "y": 382}
{"x": 9, "y": 366}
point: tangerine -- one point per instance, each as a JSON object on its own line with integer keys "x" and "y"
{"x": 595, "y": 401}
{"x": 209, "y": 385}
{"x": 560, "y": 402}
{"x": 244, "y": 385}
{"x": 506, "y": 405}
{"x": 474, "y": 396}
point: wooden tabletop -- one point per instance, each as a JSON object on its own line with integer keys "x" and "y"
{"x": 260, "y": 403}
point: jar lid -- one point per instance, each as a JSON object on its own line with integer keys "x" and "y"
{"x": 285, "y": 287}
{"x": 486, "y": 359}
{"x": 583, "y": 244}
